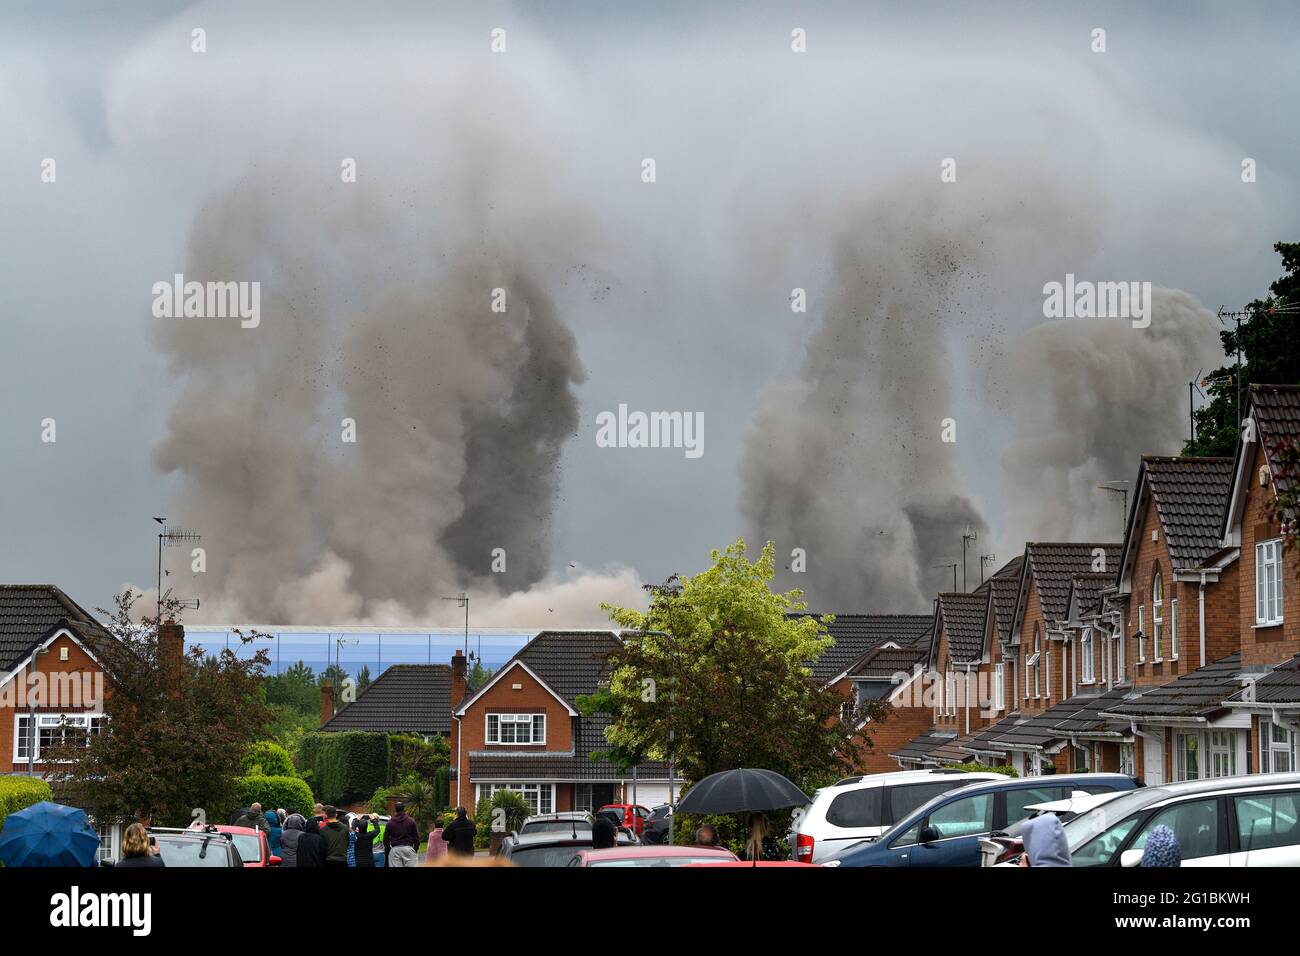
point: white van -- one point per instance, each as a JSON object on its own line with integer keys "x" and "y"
{"x": 862, "y": 808}
{"x": 1249, "y": 820}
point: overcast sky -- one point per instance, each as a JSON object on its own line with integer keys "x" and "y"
{"x": 774, "y": 170}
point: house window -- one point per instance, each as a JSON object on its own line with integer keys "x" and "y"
{"x": 1142, "y": 634}
{"x": 950, "y": 693}
{"x": 540, "y": 797}
{"x": 107, "y": 841}
{"x": 1035, "y": 661}
{"x": 52, "y": 730}
{"x": 1202, "y": 756}
{"x": 1158, "y": 617}
{"x": 1080, "y": 759}
{"x": 1127, "y": 760}
{"x": 516, "y": 728}
{"x": 1047, "y": 656}
{"x": 1119, "y": 654}
{"x": 1268, "y": 582}
{"x": 1189, "y": 757}
{"x": 1277, "y": 746}
{"x": 1173, "y": 629}
{"x": 999, "y": 687}
{"x": 1085, "y": 650}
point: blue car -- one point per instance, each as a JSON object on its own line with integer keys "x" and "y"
{"x": 947, "y": 830}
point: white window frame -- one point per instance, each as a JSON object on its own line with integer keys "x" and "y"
{"x": 1173, "y": 629}
{"x": 493, "y": 725}
{"x": 1157, "y": 617}
{"x": 1142, "y": 634}
{"x": 1047, "y": 653}
{"x": 1270, "y": 747}
{"x": 540, "y": 797}
{"x": 1120, "y": 655}
{"x": 22, "y": 734}
{"x": 999, "y": 687}
{"x": 1218, "y": 753}
{"x": 1128, "y": 759}
{"x": 1037, "y": 659}
{"x": 1268, "y": 583}
{"x": 1087, "y": 666}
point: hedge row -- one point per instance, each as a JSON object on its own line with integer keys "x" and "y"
{"x": 266, "y": 758}
{"x": 17, "y": 793}
{"x": 345, "y": 767}
{"x": 291, "y": 793}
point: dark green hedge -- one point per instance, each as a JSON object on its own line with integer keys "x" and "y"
{"x": 267, "y": 758}
{"x": 18, "y": 793}
{"x": 344, "y": 767}
{"x": 291, "y": 793}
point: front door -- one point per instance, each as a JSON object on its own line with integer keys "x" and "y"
{"x": 1153, "y": 761}
{"x": 601, "y": 795}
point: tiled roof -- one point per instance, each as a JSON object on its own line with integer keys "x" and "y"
{"x": 1276, "y": 411}
{"x": 28, "y": 612}
{"x": 555, "y": 766}
{"x": 404, "y": 698}
{"x": 883, "y": 663}
{"x": 1198, "y": 694}
{"x": 1004, "y": 591}
{"x": 1080, "y": 715}
{"x": 571, "y": 662}
{"x": 1086, "y": 593}
{"x": 951, "y": 751}
{"x": 1280, "y": 686}
{"x": 1190, "y": 495}
{"x": 963, "y": 624}
{"x": 854, "y": 634}
{"x": 985, "y": 741}
{"x": 920, "y": 746}
{"x": 1053, "y": 566}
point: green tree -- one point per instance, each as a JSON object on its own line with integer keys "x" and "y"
{"x": 363, "y": 679}
{"x": 478, "y": 676}
{"x": 1269, "y": 342}
{"x": 294, "y": 688}
{"x": 176, "y": 736}
{"x": 719, "y": 662}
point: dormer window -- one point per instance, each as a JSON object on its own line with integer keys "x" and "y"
{"x": 1268, "y": 583}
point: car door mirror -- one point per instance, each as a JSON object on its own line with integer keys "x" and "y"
{"x": 1130, "y": 858}
{"x": 928, "y": 835}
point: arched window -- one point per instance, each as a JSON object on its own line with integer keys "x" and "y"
{"x": 1085, "y": 653}
{"x": 1157, "y": 616}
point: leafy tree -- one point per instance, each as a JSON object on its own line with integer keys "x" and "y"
{"x": 516, "y": 812}
{"x": 176, "y": 736}
{"x": 1270, "y": 349}
{"x": 363, "y": 679}
{"x": 294, "y": 688}
{"x": 716, "y": 674}
{"x": 478, "y": 676}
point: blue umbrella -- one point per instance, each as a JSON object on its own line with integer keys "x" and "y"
{"x": 48, "y": 834}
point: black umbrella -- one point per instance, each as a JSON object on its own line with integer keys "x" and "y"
{"x": 740, "y": 791}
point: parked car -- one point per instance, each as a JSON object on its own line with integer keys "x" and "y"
{"x": 947, "y": 830}
{"x": 656, "y": 825}
{"x": 1004, "y": 848}
{"x": 194, "y": 848}
{"x": 642, "y": 856}
{"x": 573, "y": 822}
{"x": 252, "y": 844}
{"x": 1229, "y": 821}
{"x": 553, "y": 849}
{"x": 630, "y": 815}
{"x": 862, "y": 808}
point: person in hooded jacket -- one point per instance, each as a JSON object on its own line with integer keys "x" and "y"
{"x": 311, "y": 845}
{"x": 335, "y": 835}
{"x": 274, "y": 835}
{"x": 255, "y": 819}
{"x": 1045, "y": 842}
{"x": 364, "y": 831}
{"x": 294, "y": 825}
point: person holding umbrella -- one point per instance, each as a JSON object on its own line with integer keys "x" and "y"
{"x": 48, "y": 834}
{"x": 755, "y": 792}
{"x": 761, "y": 845}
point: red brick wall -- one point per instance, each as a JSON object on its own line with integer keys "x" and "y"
{"x": 888, "y": 735}
{"x": 502, "y": 697}
{"x": 77, "y": 664}
{"x": 1265, "y": 645}
{"x": 1049, "y": 695}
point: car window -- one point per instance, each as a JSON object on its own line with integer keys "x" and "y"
{"x": 1017, "y": 800}
{"x": 250, "y": 847}
{"x": 1266, "y": 820}
{"x": 213, "y": 851}
{"x": 556, "y": 826}
{"x": 909, "y": 837}
{"x": 1195, "y": 825}
{"x": 965, "y": 816}
{"x": 904, "y": 799}
{"x": 856, "y": 808}
{"x": 1100, "y": 850}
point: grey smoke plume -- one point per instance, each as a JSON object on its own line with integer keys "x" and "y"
{"x": 1092, "y": 395}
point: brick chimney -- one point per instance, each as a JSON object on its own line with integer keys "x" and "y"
{"x": 326, "y": 701}
{"x": 171, "y": 654}
{"x": 459, "y": 679}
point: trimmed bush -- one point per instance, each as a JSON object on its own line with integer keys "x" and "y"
{"x": 266, "y": 758}
{"x": 1005, "y": 769}
{"x": 345, "y": 767}
{"x": 18, "y": 793}
{"x": 273, "y": 792}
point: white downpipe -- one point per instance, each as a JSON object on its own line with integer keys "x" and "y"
{"x": 1201, "y": 615}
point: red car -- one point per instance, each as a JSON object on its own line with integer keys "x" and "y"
{"x": 630, "y": 815}
{"x": 252, "y": 845}
{"x": 638, "y": 856}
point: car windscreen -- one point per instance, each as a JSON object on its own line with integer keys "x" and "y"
{"x": 657, "y": 861}
{"x": 212, "y": 851}
{"x": 543, "y": 855}
{"x": 249, "y": 847}
{"x": 1099, "y": 819}
{"x": 556, "y": 826}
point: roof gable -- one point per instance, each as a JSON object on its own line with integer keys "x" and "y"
{"x": 28, "y": 614}
{"x": 1050, "y": 568}
{"x": 1275, "y": 412}
{"x": 854, "y": 634}
{"x": 404, "y": 698}
{"x": 962, "y": 616}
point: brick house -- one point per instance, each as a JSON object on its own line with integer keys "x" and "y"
{"x": 522, "y": 730}
{"x": 897, "y": 675}
{"x": 51, "y": 682}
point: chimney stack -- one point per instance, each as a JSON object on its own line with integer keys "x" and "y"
{"x": 326, "y": 701}
{"x": 459, "y": 678}
{"x": 171, "y": 654}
